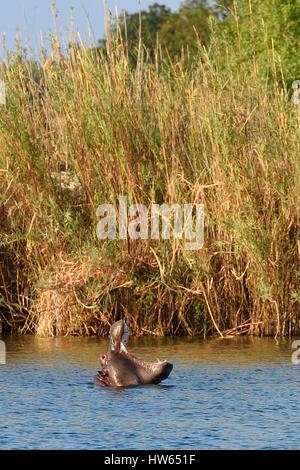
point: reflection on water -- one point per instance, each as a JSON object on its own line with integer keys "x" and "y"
{"x": 222, "y": 394}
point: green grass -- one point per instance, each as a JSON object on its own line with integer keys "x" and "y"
{"x": 157, "y": 133}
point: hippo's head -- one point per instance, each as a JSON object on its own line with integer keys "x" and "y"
{"x": 118, "y": 334}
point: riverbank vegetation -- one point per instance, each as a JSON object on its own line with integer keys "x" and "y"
{"x": 90, "y": 125}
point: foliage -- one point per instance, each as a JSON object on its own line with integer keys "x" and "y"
{"x": 260, "y": 34}
{"x": 173, "y": 31}
{"x": 89, "y": 127}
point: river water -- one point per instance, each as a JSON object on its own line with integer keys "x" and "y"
{"x": 240, "y": 393}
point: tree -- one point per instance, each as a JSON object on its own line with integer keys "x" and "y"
{"x": 187, "y": 27}
{"x": 175, "y": 31}
{"x": 146, "y": 24}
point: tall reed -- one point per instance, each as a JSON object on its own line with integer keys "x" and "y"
{"x": 88, "y": 127}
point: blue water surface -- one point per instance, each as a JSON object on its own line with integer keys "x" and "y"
{"x": 240, "y": 393}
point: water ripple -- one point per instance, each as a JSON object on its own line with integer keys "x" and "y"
{"x": 240, "y": 395}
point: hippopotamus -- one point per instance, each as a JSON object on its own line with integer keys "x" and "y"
{"x": 122, "y": 369}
